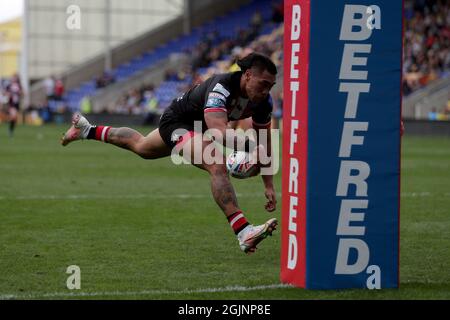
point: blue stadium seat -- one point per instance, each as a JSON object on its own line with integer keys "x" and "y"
{"x": 237, "y": 18}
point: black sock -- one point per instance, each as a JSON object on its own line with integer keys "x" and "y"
{"x": 91, "y": 134}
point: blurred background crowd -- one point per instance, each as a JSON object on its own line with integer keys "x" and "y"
{"x": 426, "y": 43}
{"x": 426, "y": 59}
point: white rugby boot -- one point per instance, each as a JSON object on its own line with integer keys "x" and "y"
{"x": 251, "y": 235}
{"x": 79, "y": 130}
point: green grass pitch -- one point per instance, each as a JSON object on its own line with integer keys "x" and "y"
{"x": 142, "y": 229}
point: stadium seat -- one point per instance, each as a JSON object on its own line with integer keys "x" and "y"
{"x": 230, "y": 22}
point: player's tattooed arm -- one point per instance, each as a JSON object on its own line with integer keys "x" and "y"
{"x": 219, "y": 121}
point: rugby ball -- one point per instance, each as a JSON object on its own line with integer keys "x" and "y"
{"x": 239, "y": 165}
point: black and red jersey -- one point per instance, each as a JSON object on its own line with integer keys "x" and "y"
{"x": 221, "y": 93}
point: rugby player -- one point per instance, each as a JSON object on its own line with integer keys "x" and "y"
{"x": 215, "y": 102}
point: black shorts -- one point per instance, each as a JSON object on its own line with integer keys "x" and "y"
{"x": 172, "y": 129}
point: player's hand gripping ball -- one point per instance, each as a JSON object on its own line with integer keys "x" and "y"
{"x": 240, "y": 166}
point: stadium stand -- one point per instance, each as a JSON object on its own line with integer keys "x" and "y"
{"x": 426, "y": 43}
{"x": 151, "y": 101}
{"x": 426, "y": 60}
{"x": 232, "y": 22}
{"x": 253, "y": 26}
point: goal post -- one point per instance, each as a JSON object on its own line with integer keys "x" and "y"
{"x": 341, "y": 143}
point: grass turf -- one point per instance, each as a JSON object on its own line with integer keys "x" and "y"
{"x": 150, "y": 230}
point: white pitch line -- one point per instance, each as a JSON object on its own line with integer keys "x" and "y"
{"x": 164, "y": 196}
{"x": 142, "y": 293}
{"x": 423, "y": 194}
{"x": 103, "y": 196}
{"x": 416, "y": 194}
{"x": 123, "y": 196}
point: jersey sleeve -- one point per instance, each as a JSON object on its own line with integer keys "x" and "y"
{"x": 263, "y": 115}
{"x": 216, "y": 98}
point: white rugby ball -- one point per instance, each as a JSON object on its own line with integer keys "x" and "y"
{"x": 239, "y": 165}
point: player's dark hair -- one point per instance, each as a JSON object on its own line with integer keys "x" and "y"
{"x": 258, "y": 61}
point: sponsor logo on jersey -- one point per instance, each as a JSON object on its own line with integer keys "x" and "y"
{"x": 217, "y": 95}
{"x": 215, "y": 103}
{"x": 220, "y": 88}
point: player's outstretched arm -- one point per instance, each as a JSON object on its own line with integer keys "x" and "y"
{"x": 269, "y": 192}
